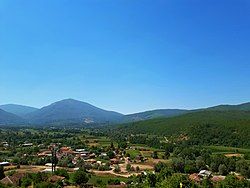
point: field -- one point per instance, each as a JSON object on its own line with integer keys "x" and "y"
{"x": 227, "y": 150}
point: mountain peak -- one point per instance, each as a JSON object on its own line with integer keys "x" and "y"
{"x": 74, "y": 111}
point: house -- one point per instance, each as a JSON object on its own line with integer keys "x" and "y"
{"x": 45, "y": 154}
{"x": 103, "y": 155}
{"x": 5, "y": 144}
{"x": 47, "y": 170}
{"x": 66, "y": 151}
{"x": 92, "y": 161}
{"x": 48, "y": 164}
{"x": 80, "y": 150}
{"x": 205, "y": 174}
{"x": 195, "y": 177}
{"x": 4, "y": 164}
{"x": 114, "y": 161}
{"x": 217, "y": 178}
{"x": 27, "y": 144}
{"x": 14, "y": 180}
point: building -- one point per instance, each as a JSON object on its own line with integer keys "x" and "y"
{"x": 4, "y": 164}
{"x": 14, "y": 180}
{"x": 205, "y": 174}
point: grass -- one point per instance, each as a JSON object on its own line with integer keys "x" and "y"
{"x": 224, "y": 149}
{"x": 133, "y": 153}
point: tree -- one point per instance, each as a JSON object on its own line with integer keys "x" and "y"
{"x": 189, "y": 168}
{"x": 232, "y": 181}
{"x": 243, "y": 167}
{"x": 223, "y": 170}
{"x": 151, "y": 179}
{"x": 111, "y": 154}
{"x": 128, "y": 167}
{"x": 122, "y": 145}
{"x": 26, "y": 181}
{"x": 166, "y": 154}
{"x": 160, "y": 166}
{"x": 175, "y": 181}
{"x": 155, "y": 155}
{"x": 117, "y": 169}
{"x": 137, "y": 169}
{"x": 178, "y": 165}
{"x": 62, "y": 172}
{"x": 112, "y": 147}
{"x": 200, "y": 163}
{"x": 2, "y": 175}
{"x": 231, "y": 165}
{"x": 80, "y": 177}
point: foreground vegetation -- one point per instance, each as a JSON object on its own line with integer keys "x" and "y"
{"x": 112, "y": 158}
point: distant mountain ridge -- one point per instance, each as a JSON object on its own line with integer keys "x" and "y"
{"x": 77, "y": 112}
{"x": 154, "y": 114}
{"x": 72, "y": 111}
{"x": 241, "y": 107}
{"x": 19, "y": 110}
{"x": 7, "y": 118}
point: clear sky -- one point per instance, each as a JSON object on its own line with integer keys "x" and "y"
{"x": 125, "y": 55}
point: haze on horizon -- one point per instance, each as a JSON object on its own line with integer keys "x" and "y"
{"x": 125, "y": 56}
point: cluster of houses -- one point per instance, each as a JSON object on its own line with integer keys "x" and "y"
{"x": 78, "y": 154}
{"x": 205, "y": 174}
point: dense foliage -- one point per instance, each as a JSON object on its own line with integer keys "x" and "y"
{"x": 229, "y": 128}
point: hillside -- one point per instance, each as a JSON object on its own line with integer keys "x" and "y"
{"x": 7, "y": 118}
{"x": 18, "y": 110}
{"x": 166, "y": 113}
{"x": 153, "y": 114}
{"x": 241, "y": 107}
{"x": 219, "y": 127}
{"x": 72, "y": 111}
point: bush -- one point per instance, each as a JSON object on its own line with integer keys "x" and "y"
{"x": 62, "y": 172}
{"x": 128, "y": 167}
{"x": 223, "y": 170}
{"x": 80, "y": 177}
{"x": 117, "y": 169}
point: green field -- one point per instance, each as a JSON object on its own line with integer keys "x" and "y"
{"x": 133, "y": 153}
{"x": 224, "y": 149}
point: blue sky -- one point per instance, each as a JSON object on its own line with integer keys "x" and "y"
{"x": 125, "y": 55}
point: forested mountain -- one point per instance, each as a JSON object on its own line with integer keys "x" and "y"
{"x": 7, "y": 118}
{"x": 165, "y": 113}
{"x": 77, "y": 112}
{"x": 18, "y": 110}
{"x": 72, "y": 111}
{"x": 218, "y": 127}
{"x": 153, "y": 114}
{"x": 242, "y": 107}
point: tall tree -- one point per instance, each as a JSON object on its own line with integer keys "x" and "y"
{"x": 2, "y": 175}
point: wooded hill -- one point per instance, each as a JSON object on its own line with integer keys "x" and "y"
{"x": 229, "y": 128}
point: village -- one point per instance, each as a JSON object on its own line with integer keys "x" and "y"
{"x": 60, "y": 154}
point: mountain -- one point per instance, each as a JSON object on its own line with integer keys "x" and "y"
{"x": 18, "y": 110}
{"x": 242, "y": 107}
{"x": 7, "y": 118}
{"x": 153, "y": 114}
{"x": 179, "y": 123}
{"x": 72, "y": 111}
{"x": 165, "y": 113}
{"x": 231, "y": 128}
